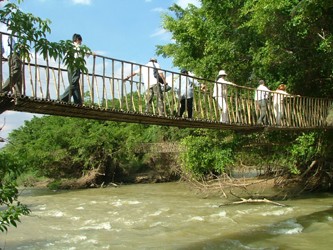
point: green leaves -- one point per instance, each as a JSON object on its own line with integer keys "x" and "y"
{"x": 256, "y": 39}
{"x": 31, "y": 34}
{"x": 205, "y": 154}
{"x": 10, "y": 208}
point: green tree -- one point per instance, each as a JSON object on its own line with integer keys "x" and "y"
{"x": 256, "y": 39}
{"x": 62, "y": 147}
{"x": 207, "y": 152}
{"x": 31, "y": 34}
{"x": 10, "y": 208}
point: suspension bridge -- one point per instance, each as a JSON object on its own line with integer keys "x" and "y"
{"x": 107, "y": 96}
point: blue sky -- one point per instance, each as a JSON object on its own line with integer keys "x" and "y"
{"x": 121, "y": 29}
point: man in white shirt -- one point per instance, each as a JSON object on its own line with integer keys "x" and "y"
{"x": 184, "y": 86}
{"x": 151, "y": 83}
{"x": 220, "y": 93}
{"x": 261, "y": 99}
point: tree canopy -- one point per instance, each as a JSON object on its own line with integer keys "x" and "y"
{"x": 281, "y": 41}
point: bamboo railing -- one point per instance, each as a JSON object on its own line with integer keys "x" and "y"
{"x": 104, "y": 87}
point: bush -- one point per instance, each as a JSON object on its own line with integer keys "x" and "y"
{"x": 11, "y": 208}
{"x": 203, "y": 155}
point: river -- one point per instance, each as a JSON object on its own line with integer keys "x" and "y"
{"x": 166, "y": 216}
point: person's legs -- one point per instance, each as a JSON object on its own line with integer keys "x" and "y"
{"x": 189, "y": 107}
{"x": 76, "y": 92}
{"x": 74, "y": 87}
{"x": 277, "y": 114}
{"x": 224, "y": 117}
{"x": 77, "y": 95}
{"x": 159, "y": 96}
{"x": 14, "y": 82}
{"x": 182, "y": 107}
{"x": 149, "y": 99}
{"x": 263, "y": 116}
{"x": 65, "y": 96}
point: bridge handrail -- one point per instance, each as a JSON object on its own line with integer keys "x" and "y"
{"x": 104, "y": 86}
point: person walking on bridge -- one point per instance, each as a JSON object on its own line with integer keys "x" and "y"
{"x": 153, "y": 77}
{"x": 185, "y": 88}
{"x": 261, "y": 98}
{"x": 220, "y": 94}
{"x": 74, "y": 77}
{"x": 14, "y": 81}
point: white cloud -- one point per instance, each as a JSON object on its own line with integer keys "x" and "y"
{"x": 158, "y": 10}
{"x": 159, "y": 32}
{"x": 83, "y": 2}
{"x": 185, "y": 3}
{"x": 162, "y": 34}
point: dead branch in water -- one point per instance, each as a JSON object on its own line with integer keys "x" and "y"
{"x": 242, "y": 201}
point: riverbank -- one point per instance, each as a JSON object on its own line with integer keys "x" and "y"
{"x": 258, "y": 187}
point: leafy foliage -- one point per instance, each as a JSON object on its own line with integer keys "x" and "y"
{"x": 62, "y": 147}
{"x": 256, "y": 39}
{"x": 31, "y": 33}
{"x": 206, "y": 153}
{"x": 10, "y": 208}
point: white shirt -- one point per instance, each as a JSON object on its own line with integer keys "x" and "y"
{"x": 261, "y": 93}
{"x": 147, "y": 74}
{"x": 220, "y": 87}
{"x": 278, "y": 96}
{"x": 184, "y": 87}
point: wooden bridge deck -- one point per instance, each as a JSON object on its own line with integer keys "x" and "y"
{"x": 52, "y": 107}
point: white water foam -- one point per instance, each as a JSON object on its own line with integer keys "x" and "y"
{"x": 117, "y": 203}
{"x": 220, "y": 214}
{"x": 41, "y": 207}
{"x": 196, "y": 218}
{"x": 56, "y": 213}
{"x": 75, "y": 218}
{"x": 98, "y": 226}
{"x": 286, "y": 227}
{"x": 278, "y": 212}
{"x": 156, "y": 213}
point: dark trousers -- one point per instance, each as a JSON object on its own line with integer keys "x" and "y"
{"x": 186, "y": 103}
{"x": 14, "y": 82}
{"x": 263, "y": 119}
{"x": 155, "y": 90}
{"x": 73, "y": 88}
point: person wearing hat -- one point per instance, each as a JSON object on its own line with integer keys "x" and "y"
{"x": 184, "y": 87}
{"x": 220, "y": 94}
{"x": 152, "y": 76}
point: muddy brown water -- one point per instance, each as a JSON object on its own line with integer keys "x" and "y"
{"x": 166, "y": 216}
